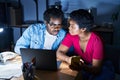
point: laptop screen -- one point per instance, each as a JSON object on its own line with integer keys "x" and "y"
{"x": 43, "y": 59}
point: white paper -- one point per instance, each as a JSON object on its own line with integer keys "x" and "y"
{"x": 10, "y": 70}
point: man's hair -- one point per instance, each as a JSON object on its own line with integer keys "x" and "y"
{"x": 53, "y": 13}
{"x": 83, "y": 18}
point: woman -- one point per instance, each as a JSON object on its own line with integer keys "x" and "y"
{"x": 87, "y": 45}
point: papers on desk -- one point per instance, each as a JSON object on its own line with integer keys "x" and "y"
{"x": 4, "y": 56}
{"x": 9, "y": 70}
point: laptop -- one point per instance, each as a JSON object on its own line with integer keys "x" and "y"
{"x": 44, "y": 59}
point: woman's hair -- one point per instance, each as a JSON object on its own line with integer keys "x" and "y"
{"x": 83, "y": 18}
{"x": 53, "y": 13}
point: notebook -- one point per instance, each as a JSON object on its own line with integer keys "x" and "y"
{"x": 44, "y": 59}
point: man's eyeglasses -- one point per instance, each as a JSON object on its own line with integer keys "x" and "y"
{"x": 55, "y": 25}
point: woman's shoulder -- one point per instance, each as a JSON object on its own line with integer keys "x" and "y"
{"x": 68, "y": 35}
{"x": 97, "y": 36}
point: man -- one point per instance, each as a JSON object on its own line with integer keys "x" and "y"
{"x": 43, "y": 36}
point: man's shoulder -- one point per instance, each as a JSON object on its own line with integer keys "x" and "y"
{"x": 37, "y": 26}
{"x": 63, "y": 31}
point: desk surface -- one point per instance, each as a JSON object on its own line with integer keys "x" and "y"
{"x": 64, "y": 73}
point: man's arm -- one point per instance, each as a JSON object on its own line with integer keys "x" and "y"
{"x": 23, "y": 41}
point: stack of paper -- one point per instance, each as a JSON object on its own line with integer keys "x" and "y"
{"x": 10, "y": 70}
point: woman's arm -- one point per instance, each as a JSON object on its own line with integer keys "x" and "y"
{"x": 61, "y": 54}
{"x": 97, "y": 57}
{"x": 95, "y": 68}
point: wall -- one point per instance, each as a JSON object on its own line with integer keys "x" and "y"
{"x": 30, "y": 9}
{"x": 29, "y": 14}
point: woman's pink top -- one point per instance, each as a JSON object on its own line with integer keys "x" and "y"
{"x": 94, "y": 48}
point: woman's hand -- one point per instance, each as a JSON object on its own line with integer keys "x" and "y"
{"x": 68, "y": 60}
{"x": 76, "y": 63}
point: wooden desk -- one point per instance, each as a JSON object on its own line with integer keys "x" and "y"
{"x": 64, "y": 73}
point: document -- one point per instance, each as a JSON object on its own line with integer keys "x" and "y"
{"x": 10, "y": 69}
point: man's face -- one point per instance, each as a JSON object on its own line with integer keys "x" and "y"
{"x": 54, "y": 26}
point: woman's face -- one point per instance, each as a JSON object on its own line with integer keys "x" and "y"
{"x": 73, "y": 28}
